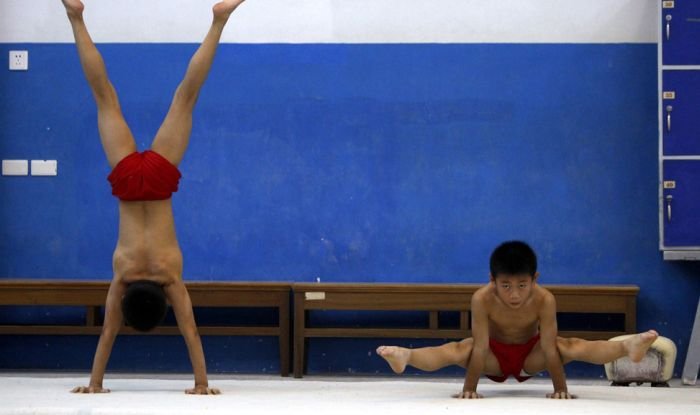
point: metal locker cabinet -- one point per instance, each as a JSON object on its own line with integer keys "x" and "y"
{"x": 681, "y": 32}
{"x": 681, "y": 197}
{"x": 681, "y": 107}
{"x": 679, "y": 129}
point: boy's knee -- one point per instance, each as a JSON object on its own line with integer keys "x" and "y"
{"x": 107, "y": 99}
{"x": 464, "y": 346}
{"x": 566, "y": 343}
{"x": 185, "y": 98}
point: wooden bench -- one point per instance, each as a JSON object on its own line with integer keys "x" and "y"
{"x": 92, "y": 295}
{"x": 435, "y": 298}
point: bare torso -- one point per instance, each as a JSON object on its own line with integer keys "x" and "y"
{"x": 513, "y": 326}
{"x": 147, "y": 248}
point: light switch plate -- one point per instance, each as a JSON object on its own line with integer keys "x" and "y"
{"x": 44, "y": 167}
{"x": 15, "y": 167}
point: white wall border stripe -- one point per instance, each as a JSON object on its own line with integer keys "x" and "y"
{"x": 341, "y": 21}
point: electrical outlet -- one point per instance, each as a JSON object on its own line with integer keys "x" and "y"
{"x": 19, "y": 60}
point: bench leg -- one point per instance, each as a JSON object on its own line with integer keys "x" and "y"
{"x": 300, "y": 358}
{"x": 284, "y": 338}
{"x": 299, "y": 324}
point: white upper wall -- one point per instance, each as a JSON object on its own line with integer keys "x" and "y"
{"x": 341, "y": 21}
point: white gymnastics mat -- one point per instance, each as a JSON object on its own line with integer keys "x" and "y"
{"x": 153, "y": 395}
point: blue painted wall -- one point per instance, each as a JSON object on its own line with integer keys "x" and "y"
{"x": 387, "y": 163}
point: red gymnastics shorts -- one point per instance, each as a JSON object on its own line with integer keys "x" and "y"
{"x": 511, "y": 358}
{"x": 144, "y": 176}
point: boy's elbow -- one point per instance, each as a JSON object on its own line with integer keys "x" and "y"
{"x": 191, "y": 332}
{"x": 109, "y": 331}
{"x": 551, "y": 353}
{"x": 480, "y": 350}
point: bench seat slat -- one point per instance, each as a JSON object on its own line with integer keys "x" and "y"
{"x": 162, "y": 330}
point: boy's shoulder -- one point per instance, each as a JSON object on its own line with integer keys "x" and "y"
{"x": 542, "y": 292}
{"x": 484, "y": 297}
{"x": 543, "y": 299}
{"x": 483, "y": 292}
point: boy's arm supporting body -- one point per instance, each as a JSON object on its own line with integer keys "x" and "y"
{"x": 113, "y": 322}
{"x": 480, "y": 334}
{"x": 182, "y": 308}
{"x": 548, "y": 343}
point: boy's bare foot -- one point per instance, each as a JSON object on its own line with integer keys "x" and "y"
{"x": 74, "y": 8}
{"x": 638, "y": 345}
{"x": 397, "y": 357}
{"x": 224, "y": 9}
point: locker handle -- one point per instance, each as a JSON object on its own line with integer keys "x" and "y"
{"x": 669, "y": 198}
{"x": 668, "y": 118}
{"x": 668, "y": 26}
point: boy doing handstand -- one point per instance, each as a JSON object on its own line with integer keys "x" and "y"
{"x": 147, "y": 261}
{"x": 514, "y": 331}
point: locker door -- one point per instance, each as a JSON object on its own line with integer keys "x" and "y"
{"x": 681, "y": 112}
{"x": 680, "y": 32}
{"x": 681, "y": 203}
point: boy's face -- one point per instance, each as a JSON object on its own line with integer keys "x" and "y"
{"x": 514, "y": 289}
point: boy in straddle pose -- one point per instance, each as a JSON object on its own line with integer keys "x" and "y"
{"x": 147, "y": 261}
{"x": 514, "y": 331}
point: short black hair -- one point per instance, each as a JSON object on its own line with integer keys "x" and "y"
{"x": 144, "y": 305}
{"x": 512, "y": 258}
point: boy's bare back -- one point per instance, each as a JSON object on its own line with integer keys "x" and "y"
{"x": 147, "y": 248}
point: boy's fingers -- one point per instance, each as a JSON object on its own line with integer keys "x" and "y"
{"x": 560, "y": 395}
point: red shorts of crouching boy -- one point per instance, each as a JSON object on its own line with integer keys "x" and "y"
{"x": 144, "y": 176}
{"x": 511, "y": 358}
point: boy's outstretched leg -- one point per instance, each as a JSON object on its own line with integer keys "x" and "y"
{"x": 116, "y": 137}
{"x": 604, "y": 351}
{"x": 427, "y": 358}
{"x": 174, "y": 134}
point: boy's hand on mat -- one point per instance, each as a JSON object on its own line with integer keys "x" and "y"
{"x": 468, "y": 395}
{"x": 203, "y": 390}
{"x": 89, "y": 389}
{"x": 561, "y": 395}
